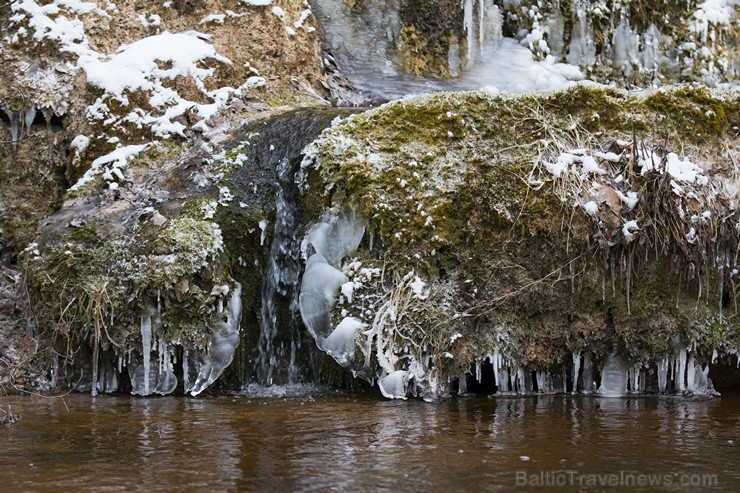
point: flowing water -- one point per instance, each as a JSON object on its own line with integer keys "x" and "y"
{"x": 338, "y": 442}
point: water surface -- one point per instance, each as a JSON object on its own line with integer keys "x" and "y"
{"x": 361, "y": 443}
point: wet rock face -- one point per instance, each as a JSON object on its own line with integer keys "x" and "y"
{"x": 101, "y": 104}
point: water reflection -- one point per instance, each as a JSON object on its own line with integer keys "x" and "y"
{"x": 353, "y": 443}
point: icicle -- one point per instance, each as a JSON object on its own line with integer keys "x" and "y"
{"x": 495, "y": 360}
{"x": 565, "y": 379}
{"x": 576, "y": 369}
{"x": 651, "y": 55}
{"x": 185, "y": 372}
{"x": 662, "y": 375}
{"x": 582, "y": 48}
{"x": 462, "y": 385}
{"x": 541, "y": 382}
{"x": 146, "y": 348}
{"x": 478, "y": 370}
{"x": 470, "y": 34}
{"x": 624, "y": 49}
{"x": 721, "y": 275}
{"x": 292, "y": 368}
{"x": 636, "y": 379}
{"x": 691, "y": 374}
{"x": 95, "y": 358}
{"x": 681, "y": 371}
{"x": 163, "y": 356}
{"x": 28, "y": 116}
{"x": 519, "y": 384}
{"x": 15, "y": 128}
{"x": 628, "y": 285}
{"x": 54, "y": 372}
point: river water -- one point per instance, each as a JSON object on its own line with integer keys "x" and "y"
{"x": 340, "y": 442}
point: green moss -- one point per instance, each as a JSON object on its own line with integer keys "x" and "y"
{"x": 82, "y": 279}
{"x": 694, "y": 113}
{"x": 507, "y": 248}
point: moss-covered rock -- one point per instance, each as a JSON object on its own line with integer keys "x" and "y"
{"x": 542, "y": 225}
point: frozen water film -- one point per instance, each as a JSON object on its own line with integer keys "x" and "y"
{"x": 326, "y": 244}
{"x": 222, "y": 344}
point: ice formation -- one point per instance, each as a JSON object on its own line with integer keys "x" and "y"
{"x": 394, "y": 386}
{"x": 222, "y": 343}
{"x": 613, "y": 377}
{"x": 148, "y": 378}
{"x": 576, "y": 369}
{"x": 484, "y": 59}
{"x": 326, "y": 243}
{"x": 319, "y": 289}
{"x": 340, "y": 344}
{"x": 682, "y": 372}
{"x": 20, "y": 121}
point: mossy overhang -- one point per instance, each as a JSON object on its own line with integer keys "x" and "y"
{"x": 447, "y": 183}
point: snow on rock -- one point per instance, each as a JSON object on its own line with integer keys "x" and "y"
{"x": 561, "y": 164}
{"x": 49, "y": 22}
{"x": 145, "y": 65}
{"x": 591, "y": 208}
{"x": 348, "y": 290}
{"x": 630, "y": 200}
{"x": 572, "y": 161}
{"x": 80, "y": 143}
{"x": 255, "y": 81}
{"x": 110, "y": 165}
{"x": 213, "y": 18}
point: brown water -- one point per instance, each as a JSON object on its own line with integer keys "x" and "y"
{"x": 361, "y": 443}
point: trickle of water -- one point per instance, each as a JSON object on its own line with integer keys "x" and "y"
{"x": 280, "y": 350}
{"x": 283, "y": 271}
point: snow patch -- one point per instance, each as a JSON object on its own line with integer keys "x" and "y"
{"x": 110, "y": 165}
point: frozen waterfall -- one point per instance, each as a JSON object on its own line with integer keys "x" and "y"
{"x": 325, "y": 245}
